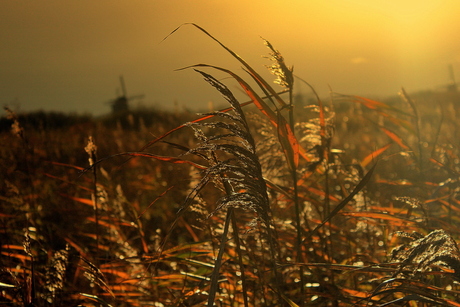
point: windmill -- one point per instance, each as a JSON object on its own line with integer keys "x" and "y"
{"x": 120, "y": 104}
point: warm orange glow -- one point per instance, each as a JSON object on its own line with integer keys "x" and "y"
{"x": 59, "y": 54}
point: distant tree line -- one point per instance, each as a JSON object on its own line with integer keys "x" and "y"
{"x": 44, "y": 120}
{"x": 133, "y": 120}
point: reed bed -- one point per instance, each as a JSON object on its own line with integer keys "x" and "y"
{"x": 272, "y": 201}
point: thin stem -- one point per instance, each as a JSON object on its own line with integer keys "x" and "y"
{"x": 297, "y": 204}
{"x": 240, "y": 258}
{"x": 216, "y": 270}
{"x": 417, "y": 127}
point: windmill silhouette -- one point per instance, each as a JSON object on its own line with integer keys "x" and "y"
{"x": 120, "y": 104}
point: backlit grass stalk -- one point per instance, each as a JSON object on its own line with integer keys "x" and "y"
{"x": 240, "y": 258}
{"x": 409, "y": 100}
{"x": 91, "y": 149}
{"x": 285, "y": 78}
{"x": 17, "y": 129}
{"x": 284, "y": 128}
{"x": 31, "y": 210}
{"x": 217, "y": 264}
{"x": 240, "y": 175}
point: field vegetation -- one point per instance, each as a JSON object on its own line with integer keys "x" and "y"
{"x": 277, "y": 200}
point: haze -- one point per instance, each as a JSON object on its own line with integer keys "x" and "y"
{"x": 68, "y": 55}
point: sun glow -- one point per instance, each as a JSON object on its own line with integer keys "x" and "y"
{"x": 360, "y": 46}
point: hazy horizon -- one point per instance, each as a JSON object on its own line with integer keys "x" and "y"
{"x": 68, "y": 56}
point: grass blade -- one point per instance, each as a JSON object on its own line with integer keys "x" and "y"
{"x": 344, "y": 202}
{"x": 395, "y": 138}
{"x": 287, "y": 137}
{"x": 374, "y": 155}
{"x": 253, "y": 73}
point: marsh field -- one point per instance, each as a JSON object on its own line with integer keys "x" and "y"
{"x": 277, "y": 200}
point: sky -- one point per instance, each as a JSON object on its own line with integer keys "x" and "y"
{"x": 68, "y": 55}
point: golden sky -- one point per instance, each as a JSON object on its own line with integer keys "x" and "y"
{"x": 68, "y": 55}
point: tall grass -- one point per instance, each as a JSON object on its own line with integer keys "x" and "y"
{"x": 269, "y": 202}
